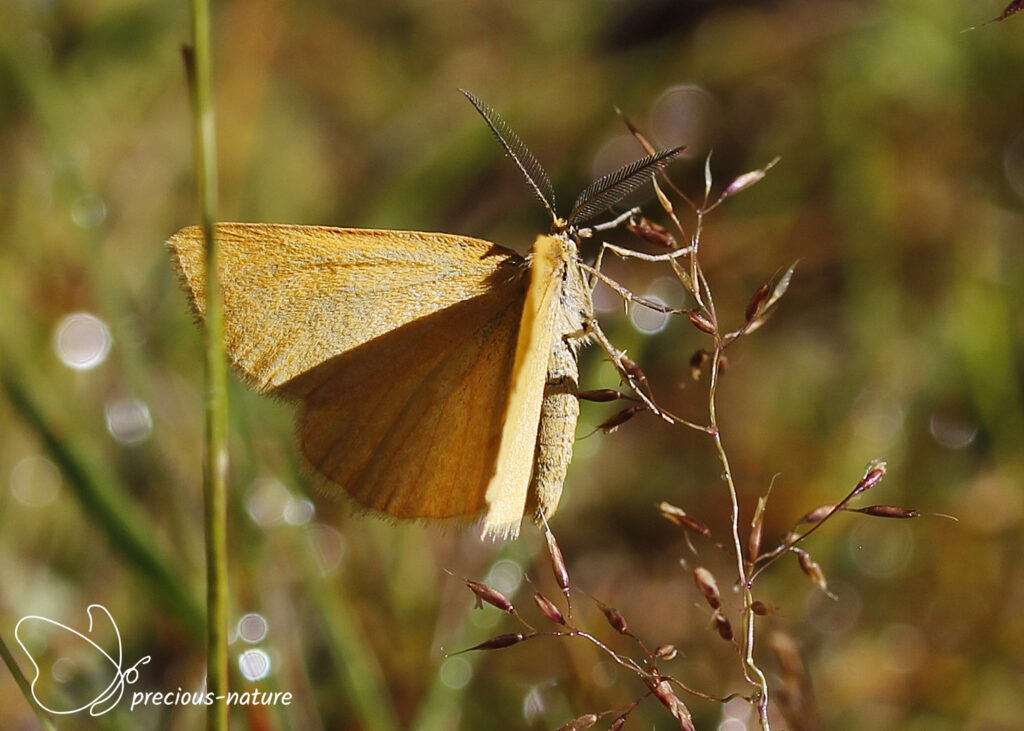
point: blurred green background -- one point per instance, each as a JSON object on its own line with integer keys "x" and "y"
{"x": 899, "y": 191}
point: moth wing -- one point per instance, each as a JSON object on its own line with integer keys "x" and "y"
{"x": 297, "y": 296}
{"x": 399, "y": 345}
{"x": 507, "y": 491}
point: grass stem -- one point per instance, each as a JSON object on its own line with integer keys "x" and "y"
{"x": 215, "y": 467}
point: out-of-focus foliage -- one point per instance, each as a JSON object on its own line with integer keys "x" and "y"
{"x": 899, "y": 191}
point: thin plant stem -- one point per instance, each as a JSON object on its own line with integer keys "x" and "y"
{"x": 215, "y": 467}
{"x": 751, "y": 671}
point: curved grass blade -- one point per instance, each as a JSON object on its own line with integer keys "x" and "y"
{"x": 610, "y": 189}
{"x": 520, "y": 154}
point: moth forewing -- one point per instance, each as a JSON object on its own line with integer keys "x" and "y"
{"x": 540, "y": 418}
{"x": 384, "y": 338}
{"x": 296, "y": 296}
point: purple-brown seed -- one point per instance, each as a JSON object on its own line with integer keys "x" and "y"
{"x": 722, "y": 625}
{"x": 700, "y": 321}
{"x": 548, "y": 608}
{"x": 818, "y": 514}
{"x": 619, "y": 418}
{"x": 632, "y": 369}
{"x": 662, "y": 690}
{"x": 587, "y": 720}
{"x": 757, "y": 301}
{"x": 746, "y": 180}
{"x": 888, "y": 511}
{"x": 666, "y": 652}
{"x": 615, "y": 619}
{"x": 679, "y": 517}
{"x": 490, "y": 595}
{"x": 653, "y": 233}
{"x": 811, "y": 569}
{"x": 756, "y": 530}
{"x": 873, "y": 477}
{"x": 499, "y": 641}
{"x": 707, "y": 586}
{"x": 557, "y": 561}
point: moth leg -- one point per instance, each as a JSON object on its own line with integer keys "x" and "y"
{"x": 615, "y": 222}
{"x": 624, "y": 253}
{"x": 630, "y": 254}
{"x": 627, "y": 295}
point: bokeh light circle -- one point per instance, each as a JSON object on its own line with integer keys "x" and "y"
{"x": 82, "y": 341}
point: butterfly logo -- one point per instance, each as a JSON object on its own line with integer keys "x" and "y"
{"x": 74, "y": 643}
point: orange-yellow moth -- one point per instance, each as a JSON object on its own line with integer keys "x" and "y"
{"x": 436, "y": 374}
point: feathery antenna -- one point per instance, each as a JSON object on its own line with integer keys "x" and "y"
{"x": 608, "y": 190}
{"x": 520, "y": 154}
{"x": 598, "y": 196}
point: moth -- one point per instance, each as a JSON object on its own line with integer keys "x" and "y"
{"x": 436, "y": 375}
